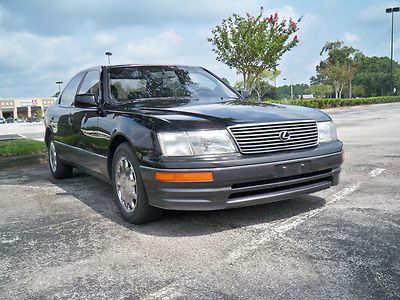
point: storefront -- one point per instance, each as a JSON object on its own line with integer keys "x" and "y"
{"x": 24, "y": 108}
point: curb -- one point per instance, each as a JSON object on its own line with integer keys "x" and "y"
{"x": 22, "y": 160}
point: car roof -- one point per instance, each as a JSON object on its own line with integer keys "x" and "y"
{"x": 139, "y": 65}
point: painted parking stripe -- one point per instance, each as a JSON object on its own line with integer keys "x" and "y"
{"x": 293, "y": 222}
{"x": 376, "y": 172}
{"x": 288, "y": 224}
{"x": 31, "y": 187}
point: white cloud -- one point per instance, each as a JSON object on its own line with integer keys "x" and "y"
{"x": 38, "y": 49}
{"x": 299, "y": 64}
{"x": 374, "y": 14}
{"x": 351, "y": 37}
{"x": 104, "y": 39}
{"x": 396, "y": 43}
{"x": 156, "y": 48}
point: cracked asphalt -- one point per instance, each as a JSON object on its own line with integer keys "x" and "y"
{"x": 66, "y": 239}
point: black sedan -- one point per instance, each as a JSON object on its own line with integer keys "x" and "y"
{"x": 178, "y": 137}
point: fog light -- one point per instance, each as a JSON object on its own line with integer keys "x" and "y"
{"x": 184, "y": 176}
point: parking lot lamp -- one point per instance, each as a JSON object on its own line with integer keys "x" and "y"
{"x": 108, "y": 53}
{"x": 391, "y": 10}
{"x": 291, "y": 88}
{"x": 59, "y": 85}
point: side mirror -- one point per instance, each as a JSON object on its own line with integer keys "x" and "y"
{"x": 245, "y": 94}
{"x": 85, "y": 100}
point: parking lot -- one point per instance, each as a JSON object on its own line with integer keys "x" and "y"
{"x": 66, "y": 238}
{"x": 27, "y": 130}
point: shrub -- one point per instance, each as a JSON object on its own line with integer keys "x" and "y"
{"x": 331, "y": 102}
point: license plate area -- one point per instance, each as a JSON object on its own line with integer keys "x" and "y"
{"x": 292, "y": 169}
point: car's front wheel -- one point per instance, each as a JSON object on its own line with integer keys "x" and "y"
{"x": 58, "y": 168}
{"x": 129, "y": 188}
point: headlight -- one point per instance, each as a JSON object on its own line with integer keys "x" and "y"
{"x": 196, "y": 143}
{"x": 326, "y": 131}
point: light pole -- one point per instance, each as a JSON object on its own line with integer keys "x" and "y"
{"x": 108, "y": 53}
{"x": 59, "y": 85}
{"x": 391, "y": 10}
{"x": 291, "y": 88}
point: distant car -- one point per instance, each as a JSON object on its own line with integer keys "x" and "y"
{"x": 178, "y": 137}
{"x": 19, "y": 120}
{"x": 10, "y": 120}
{"x": 3, "y": 121}
{"x": 33, "y": 119}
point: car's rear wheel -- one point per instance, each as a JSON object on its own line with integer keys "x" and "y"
{"x": 58, "y": 168}
{"x": 129, "y": 188}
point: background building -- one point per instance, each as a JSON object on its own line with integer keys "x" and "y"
{"x": 18, "y": 108}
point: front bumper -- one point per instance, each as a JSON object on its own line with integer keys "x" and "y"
{"x": 245, "y": 185}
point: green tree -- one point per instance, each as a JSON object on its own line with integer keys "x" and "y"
{"x": 283, "y": 92}
{"x": 253, "y": 44}
{"x": 225, "y": 80}
{"x": 262, "y": 85}
{"x": 374, "y": 75}
{"x": 336, "y": 75}
{"x": 340, "y": 66}
{"x": 319, "y": 90}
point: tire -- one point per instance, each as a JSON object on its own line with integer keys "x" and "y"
{"x": 58, "y": 169}
{"x": 128, "y": 187}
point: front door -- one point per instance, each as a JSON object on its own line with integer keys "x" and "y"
{"x": 85, "y": 125}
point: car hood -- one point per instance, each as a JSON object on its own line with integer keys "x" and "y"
{"x": 191, "y": 114}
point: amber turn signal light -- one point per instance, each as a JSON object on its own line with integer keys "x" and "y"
{"x": 184, "y": 176}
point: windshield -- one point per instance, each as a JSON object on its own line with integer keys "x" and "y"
{"x": 144, "y": 82}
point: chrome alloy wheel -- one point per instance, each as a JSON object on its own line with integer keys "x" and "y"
{"x": 125, "y": 182}
{"x": 52, "y": 156}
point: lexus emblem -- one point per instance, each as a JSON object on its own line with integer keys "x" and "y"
{"x": 284, "y": 136}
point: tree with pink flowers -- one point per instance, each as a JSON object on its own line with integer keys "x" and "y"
{"x": 253, "y": 44}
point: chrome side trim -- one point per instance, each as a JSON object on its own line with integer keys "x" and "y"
{"x": 80, "y": 149}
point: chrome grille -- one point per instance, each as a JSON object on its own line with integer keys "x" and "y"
{"x": 270, "y": 137}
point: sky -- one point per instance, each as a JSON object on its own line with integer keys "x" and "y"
{"x": 45, "y": 41}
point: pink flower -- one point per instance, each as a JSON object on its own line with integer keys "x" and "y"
{"x": 296, "y": 38}
{"x": 293, "y": 24}
{"x": 269, "y": 20}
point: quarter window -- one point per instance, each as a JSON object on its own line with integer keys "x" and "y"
{"x": 68, "y": 95}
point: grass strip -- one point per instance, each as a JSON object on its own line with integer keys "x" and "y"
{"x": 21, "y": 147}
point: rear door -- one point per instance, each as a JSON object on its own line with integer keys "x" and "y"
{"x": 60, "y": 120}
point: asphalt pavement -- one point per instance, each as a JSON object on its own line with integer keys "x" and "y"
{"x": 66, "y": 239}
{"x": 27, "y": 130}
